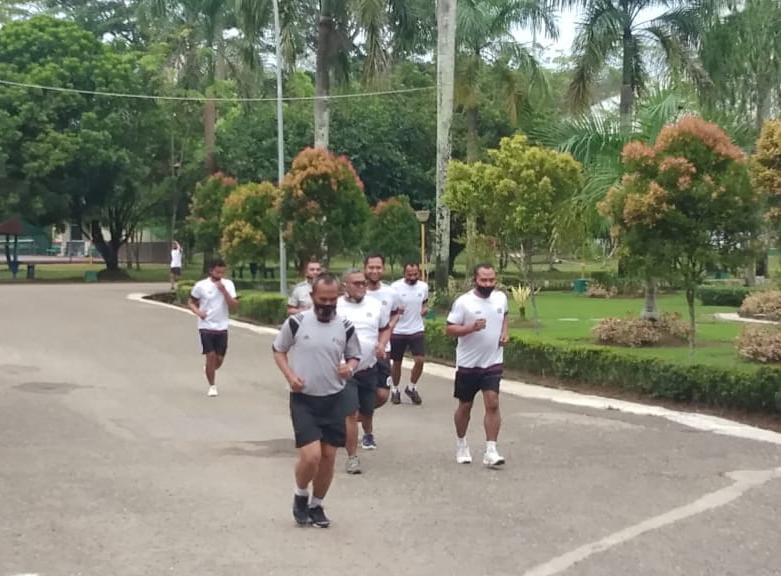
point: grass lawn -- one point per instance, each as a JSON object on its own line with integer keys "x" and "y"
{"x": 75, "y": 273}
{"x": 570, "y": 318}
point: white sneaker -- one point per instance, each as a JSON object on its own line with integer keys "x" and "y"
{"x": 492, "y": 460}
{"x": 463, "y": 456}
{"x": 213, "y": 391}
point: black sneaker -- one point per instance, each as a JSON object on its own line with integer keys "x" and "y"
{"x": 301, "y": 510}
{"x": 414, "y": 396}
{"x": 318, "y": 518}
{"x": 395, "y": 397}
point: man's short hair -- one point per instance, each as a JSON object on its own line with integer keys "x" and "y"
{"x": 481, "y": 266}
{"x": 411, "y": 264}
{"x": 374, "y": 255}
{"x": 324, "y": 279}
{"x": 350, "y": 272}
{"x": 216, "y": 263}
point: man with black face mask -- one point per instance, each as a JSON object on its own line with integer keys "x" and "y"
{"x": 324, "y": 353}
{"x": 479, "y": 320}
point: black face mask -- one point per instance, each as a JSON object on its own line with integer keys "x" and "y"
{"x": 325, "y": 312}
{"x": 411, "y": 282}
{"x": 484, "y": 291}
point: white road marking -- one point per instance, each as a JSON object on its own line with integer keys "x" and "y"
{"x": 703, "y": 422}
{"x": 743, "y": 481}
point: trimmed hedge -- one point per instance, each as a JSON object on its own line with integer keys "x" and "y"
{"x": 266, "y": 308}
{"x": 183, "y": 290}
{"x": 756, "y": 391}
{"x": 722, "y": 295}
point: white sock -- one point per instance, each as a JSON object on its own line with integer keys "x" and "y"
{"x": 395, "y": 388}
{"x": 411, "y": 386}
{"x": 315, "y": 502}
{"x": 302, "y": 492}
{"x": 461, "y": 442}
{"x": 490, "y": 447}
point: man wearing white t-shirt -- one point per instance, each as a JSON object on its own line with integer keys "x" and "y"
{"x": 371, "y": 327}
{"x": 409, "y": 332}
{"x": 212, "y": 300}
{"x": 479, "y": 320}
{"x": 374, "y": 270}
{"x": 176, "y": 263}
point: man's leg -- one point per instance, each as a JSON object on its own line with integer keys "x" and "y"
{"x": 461, "y": 418}
{"x": 352, "y": 433}
{"x": 396, "y": 372}
{"x": 493, "y": 418}
{"x": 220, "y": 360}
{"x": 211, "y": 367}
{"x": 309, "y": 459}
{"x": 325, "y": 471}
{"x": 417, "y": 369}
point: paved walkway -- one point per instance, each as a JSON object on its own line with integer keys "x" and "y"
{"x": 114, "y": 461}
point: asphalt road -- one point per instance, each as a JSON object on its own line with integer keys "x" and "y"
{"x": 114, "y": 461}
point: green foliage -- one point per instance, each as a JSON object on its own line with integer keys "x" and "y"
{"x": 183, "y": 290}
{"x": 766, "y": 170}
{"x": 249, "y": 223}
{"x": 264, "y": 308}
{"x": 394, "y": 231}
{"x": 722, "y": 295}
{"x": 323, "y": 205}
{"x": 206, "y": 209}
{"x": 617, "y": 369}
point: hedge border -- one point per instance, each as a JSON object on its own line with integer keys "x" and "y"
{"x": 759, "y": 391}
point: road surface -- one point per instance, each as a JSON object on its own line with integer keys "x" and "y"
{"x": 114, "y": 461}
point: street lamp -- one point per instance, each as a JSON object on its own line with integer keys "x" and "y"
{"x": 423, "y": 216}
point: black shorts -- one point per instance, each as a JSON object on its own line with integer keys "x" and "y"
{"x": 471, "y": 381}
{"x": 361, "y": 392}
{"x": 214, "y": 341}
{"x": 318, "y": 418}
{"x": 400, "y": 343}
{"x": 383, "y": 373}
{"x": 176, "y": 271}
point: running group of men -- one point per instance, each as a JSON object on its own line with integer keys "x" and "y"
{"x": 341, "y": 351}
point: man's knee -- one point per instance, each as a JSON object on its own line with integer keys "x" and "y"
{"x": 491, "y": 401}
{"x": 311, "y": 454}
{"x": 464, "y": 409}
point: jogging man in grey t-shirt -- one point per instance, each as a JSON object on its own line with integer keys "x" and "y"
{"x": 323, "y": 353}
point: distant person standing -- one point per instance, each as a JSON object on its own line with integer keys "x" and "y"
{"x": 371, "y": 325}
{"x": 479, "y": 320}
{"x": 301, "y": 295}
{"x": 409, "y": 332}
{"x": 317, "y": 352}
{"x": 176, "y": 263}
{"x": 212, "y": 300}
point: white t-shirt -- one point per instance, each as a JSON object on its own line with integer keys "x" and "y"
{"x": 412, "y": 298}
{"x": 479, "y": 349}
{"x": 369, "y": 318}
{"x": 211, "y": 301}
{"x": 387, "y": 298}
{"x": 176, "y": 258}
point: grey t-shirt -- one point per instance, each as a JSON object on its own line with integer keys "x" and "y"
{"x": 301, "y": 296}
{"x": 316, "y": 350}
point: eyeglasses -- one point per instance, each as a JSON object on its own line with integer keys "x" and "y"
{"x": 359, "y": 283}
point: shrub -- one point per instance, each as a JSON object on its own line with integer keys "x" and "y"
{"x": 638, "y": 332}
{"x": 760, "y": 343}
{"x": 765, "y": 304}
{"x": 600, "y": 291}
{"x": 621, "y": 369}
{"x": 617, "y": 284}
{"x": 183, "y": 290}
{"x": 266, "y": 308}
{"x": 722, "y": 295}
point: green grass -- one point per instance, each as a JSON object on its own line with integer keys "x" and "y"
{"x": 715, "y": 339}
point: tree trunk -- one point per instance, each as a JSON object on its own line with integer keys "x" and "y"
{"x": 323, "y": 80}
{"x": 472, "y": 135}
{"x": 763, "y": 105}
{"x": 446, "y": 53}
{"x": 650, "y": 309}
{"x": 109, "y": 251}
{"x": 692, "y": 319}
{"x": 209, "y": 132}
{"x": 626, "y": 105}
{"x": 528, "y": 271}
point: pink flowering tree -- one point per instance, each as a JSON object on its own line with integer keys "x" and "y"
{"x": 685, "y": 206}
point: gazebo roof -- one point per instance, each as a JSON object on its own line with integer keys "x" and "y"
{"x": 12, "y": 227}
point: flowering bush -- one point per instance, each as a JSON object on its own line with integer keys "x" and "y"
{"x": 765, "y": 304}
{"x": 640, "y": 332}
{"x": 760, "y": 343}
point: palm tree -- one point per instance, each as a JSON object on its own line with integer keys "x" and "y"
{"x": 741, "y": 52}
{"x": 619, "y": 28}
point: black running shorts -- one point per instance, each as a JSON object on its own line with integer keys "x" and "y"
{"x": 471, "y": 381}
{"x": 383, "y": 373}
{"x": 415, "y": 343}
{"x": 361, "y": 392}
{"x": 318, "y": 418}
{"x": 214, "y": 341}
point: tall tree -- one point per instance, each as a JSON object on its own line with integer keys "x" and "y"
{"x": 621, "y": 29}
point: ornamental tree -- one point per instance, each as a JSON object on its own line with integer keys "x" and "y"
{"x": 323, "y": 205}
{"x": 249, "y": 223}
{"x": 394, "y": 231}
{"x": 685, "y": 206}
{"x": 766, "y": 171}
{"x": 205, "y": 211}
